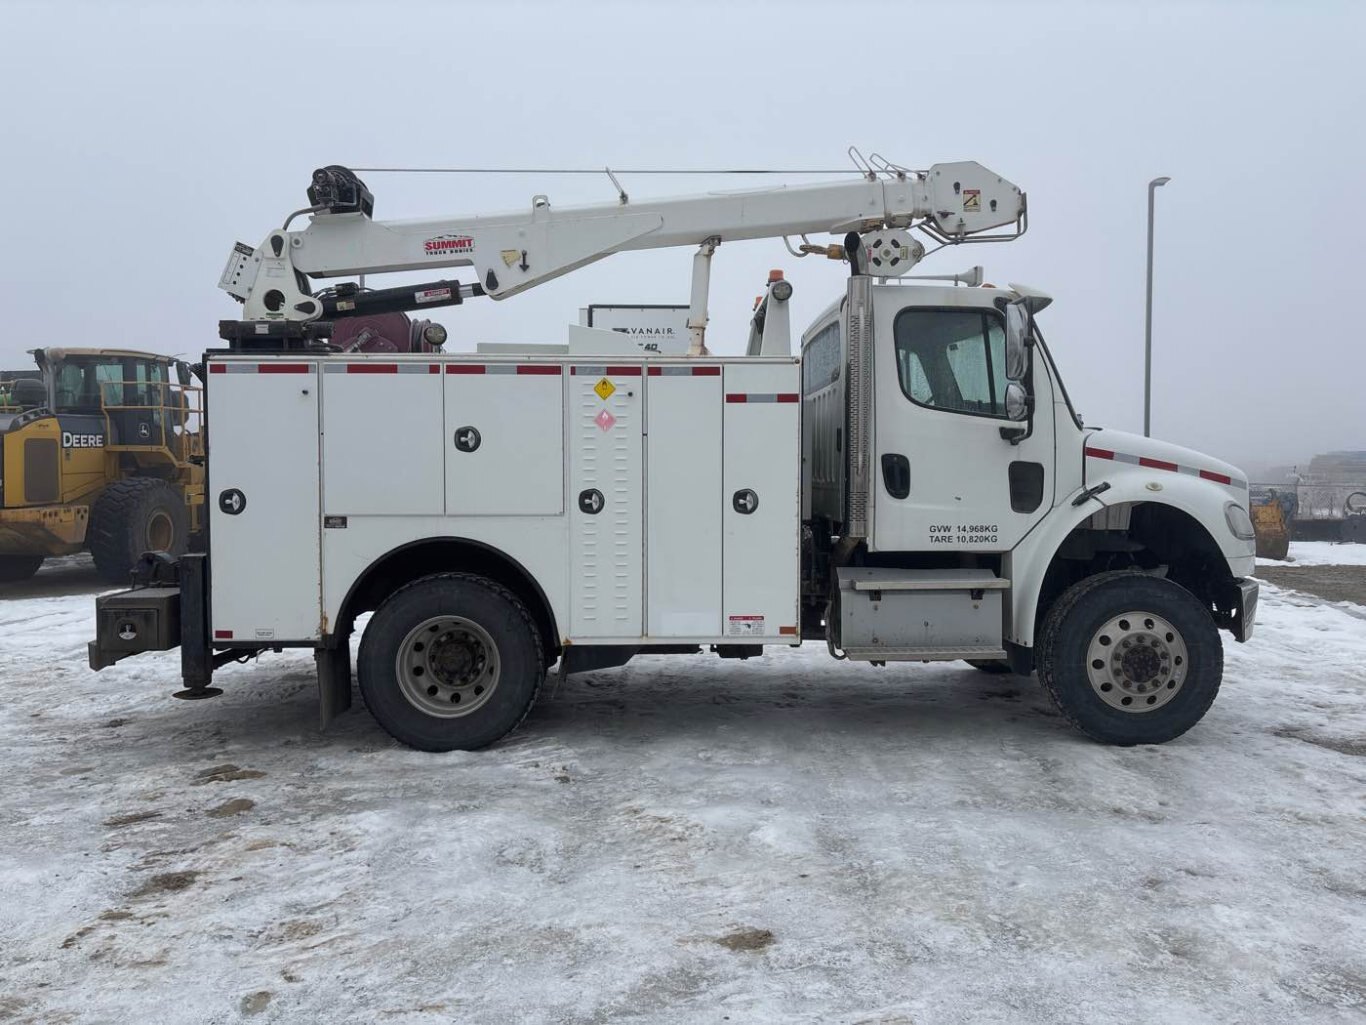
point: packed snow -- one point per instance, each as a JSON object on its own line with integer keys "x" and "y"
{"x": 1320, "y": 553}
{"x": 683, "y": 840}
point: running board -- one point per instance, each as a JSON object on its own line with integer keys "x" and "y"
{"x": 983, "y": 653}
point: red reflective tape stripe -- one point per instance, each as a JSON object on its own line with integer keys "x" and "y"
{"x": 217, "y": 368}
{"x": 733, "y": 397}
{"x": 1156, "y": 464}
{"x": 1100, "y": 453}
{"x": 433, "y": 368}
{"x": 464, "y": 368}
{"x": 789, "y": 631}
{"x": 372, "y": 368}
{"x": 706, "y": 371}
{"x": 283, "y": 368}
{"x": 788, "y": 397}
{"x": 548, "y": 371}
{"x": 1218, "y": 478}
{"x": 222, "y": 635}
{"x": 655, "y": 371}
{"x": 623, "y": 372}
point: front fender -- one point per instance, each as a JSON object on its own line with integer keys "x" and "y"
{"x": 1202, "y": 500}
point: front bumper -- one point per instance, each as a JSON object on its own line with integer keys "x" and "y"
{"x": 1245, "y": 613}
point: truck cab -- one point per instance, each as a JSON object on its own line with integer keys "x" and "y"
{"x": 954, "y": 495}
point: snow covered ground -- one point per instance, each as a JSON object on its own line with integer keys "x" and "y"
{"x": 1321, "y": 553}
{"x": 683, "y": 840}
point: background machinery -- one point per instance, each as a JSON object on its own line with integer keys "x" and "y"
{"x": 100, "y": 449}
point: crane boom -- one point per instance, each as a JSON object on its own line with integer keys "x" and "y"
{"x": 511, "y": 252}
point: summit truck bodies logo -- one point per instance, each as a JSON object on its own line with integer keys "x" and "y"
{"x": 449, "y": 245}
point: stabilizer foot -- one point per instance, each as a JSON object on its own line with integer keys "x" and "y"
{"x": 198, "y": 693}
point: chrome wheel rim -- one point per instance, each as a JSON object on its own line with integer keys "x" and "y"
{"x": 447, "y": 667}
{"x": 1137, "y": 662}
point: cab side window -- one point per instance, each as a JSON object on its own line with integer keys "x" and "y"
{"x": 952, "y": 360}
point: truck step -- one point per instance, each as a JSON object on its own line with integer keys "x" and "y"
{"x": 926, "y": 654}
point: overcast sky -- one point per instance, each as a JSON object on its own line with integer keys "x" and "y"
{"x": 143, "y": 139}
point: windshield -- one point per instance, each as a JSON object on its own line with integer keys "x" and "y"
{"x": 80, "y": 383}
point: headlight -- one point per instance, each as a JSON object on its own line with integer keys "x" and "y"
{"x": 1239, "y": 522}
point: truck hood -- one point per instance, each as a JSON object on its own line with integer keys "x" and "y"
{"x": 1123, "y": 447}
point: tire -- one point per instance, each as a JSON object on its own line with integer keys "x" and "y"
{"x": 132, "y": 516}
{"x": 1130, "y": 658}
{"x": 14, "y": 568}
{"x": 430, "y": 648}
{"x": 994, "y": 666}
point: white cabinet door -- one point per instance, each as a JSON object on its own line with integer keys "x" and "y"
{"x": 606, "y": 501}
{"x": 504, "y": 439}
{"x": 762, "y": 502}
{"x": 382, "y": 438}
{"x": 263, "y": 500}
{"x": 683, "y": 495}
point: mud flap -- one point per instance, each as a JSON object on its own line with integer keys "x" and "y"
{"x": 334, "y": 680}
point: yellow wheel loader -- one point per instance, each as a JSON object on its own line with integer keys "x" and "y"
{"x": 100, "y": 449}
{"x": 1272, "y": 513}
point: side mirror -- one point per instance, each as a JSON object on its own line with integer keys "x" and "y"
{"x": 182, "y": 373}
{"x": 1017, "y": 401}
{"x": 1017, "y": 342}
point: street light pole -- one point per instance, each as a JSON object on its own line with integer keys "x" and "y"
{"x": 1148, "y": 320}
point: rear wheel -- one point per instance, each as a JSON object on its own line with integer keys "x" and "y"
{"x": 1130, "y": 658}
{"x": 132, "y": 516}
{"x": 450, "y": 662}
{"x": 14, "y": 568}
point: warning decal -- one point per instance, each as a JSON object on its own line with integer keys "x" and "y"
{"x": 604, "y": 388}
{"x": 972, "y": 200}
{"x": 744, "y": 626}
{"x": 605, "y": 420}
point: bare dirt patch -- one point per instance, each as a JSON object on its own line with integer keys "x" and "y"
{"x": 746, "y": 939}
{"x": 166, "y": 882}
{"x": 225, "y": 774}
{"x": 234, "y": 807}
{"x": 131, "y": 818}
{"x": 1342, "y": 745}
{"x": 1332, "y": 583}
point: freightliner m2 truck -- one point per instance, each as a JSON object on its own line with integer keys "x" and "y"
{"x": 916, "y": 487}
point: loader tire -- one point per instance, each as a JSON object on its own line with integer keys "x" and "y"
{"x": 451, "y": 662}
{"x": 1130, "y": 658}
{"x": 132, "y": 516}
{"x": 14, "y": 568}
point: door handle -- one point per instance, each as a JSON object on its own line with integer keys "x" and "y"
{"x": 896, "y": 474}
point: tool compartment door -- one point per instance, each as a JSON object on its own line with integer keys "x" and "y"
{"x": 761, "y": 502}
{"x": 263, "y": 501}
{"x": 683, "y": 495}
{"x": 504, "y": 439}
{"x": 606, "y": 502}
{"x": 382, "y": 438}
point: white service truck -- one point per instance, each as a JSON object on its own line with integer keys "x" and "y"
{"x": 916, "y": 487}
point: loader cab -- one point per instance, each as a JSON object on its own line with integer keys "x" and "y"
{"x": 941, "y": 398}
{"x": 125, "y": 398}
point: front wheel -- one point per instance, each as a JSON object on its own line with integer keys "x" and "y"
{"x": 1130, "y": 658}
{"x": 450, "y": 662}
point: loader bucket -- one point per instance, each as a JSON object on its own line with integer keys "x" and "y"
{"x": 1273, "y": 533}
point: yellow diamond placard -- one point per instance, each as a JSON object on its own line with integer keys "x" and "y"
{"x": 604, "y": 388}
